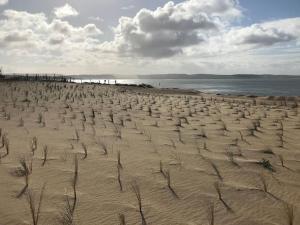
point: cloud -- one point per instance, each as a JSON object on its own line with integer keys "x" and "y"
{"x": 265, "y": 34}
{"x": 96, "y": 18}
{"x": 192, "y": 36}
{"x": 260, "y": 35}
{"x": 25, "y": 32}
{"x": 65, "y": 11}
{"x": 56, "y": 39}
{"x": 129, "y": 7}
{"x": 165, "y": 31}
{"x": 252, "y": 38}
{"x": 3, "y": 2}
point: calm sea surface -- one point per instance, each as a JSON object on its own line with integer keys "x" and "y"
{"x": 247, "y": 86}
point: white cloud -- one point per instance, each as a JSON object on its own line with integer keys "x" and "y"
{"x": 165, "y": 31}
{"x": 26, "y": 33}
{"x": 96, "y": 18}
{"x": 65, "y": 11}
{"x": 266, "y": 34}
{"x": 193, "y": 36}
{"x": 129, "y": 7}
{"x": 232, "y": 40}
{"x": 3, "y": 2}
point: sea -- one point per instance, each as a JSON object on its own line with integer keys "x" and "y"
{"x": 263, "y": 86}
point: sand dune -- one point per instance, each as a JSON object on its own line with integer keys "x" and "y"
{"x": 193, "y": 158}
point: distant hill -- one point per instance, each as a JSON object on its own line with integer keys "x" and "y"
{"x": 180, "y": 76}
{"x": 209, "y": 76}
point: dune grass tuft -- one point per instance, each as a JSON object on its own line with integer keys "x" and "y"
{"x": 35, "y": 210}
{"x": 25, "y": 171}
{"x": 137, "y": 192}
{"x": 33, "y": 145}
{"x": 168, "y": 176}
{"x": 216, "y": 170}
{"x": 218, "y": 189}
{"x": 85, "y": 151}
{"x": 122, "y": 219}
{"x": 119, "y": 178}
{"x": 211, "y": 213}
{"x": 45, "y": 150}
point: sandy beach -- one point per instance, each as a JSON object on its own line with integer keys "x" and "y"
{"x": 105, "y": 154}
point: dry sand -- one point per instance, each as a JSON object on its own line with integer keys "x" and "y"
{"x": 205, "y": 143}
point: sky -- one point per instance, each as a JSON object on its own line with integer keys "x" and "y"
{"x": 134, "y": 37}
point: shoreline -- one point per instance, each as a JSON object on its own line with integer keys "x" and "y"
{"x": 71, "y": 79}
{"x": 180, "y": 91}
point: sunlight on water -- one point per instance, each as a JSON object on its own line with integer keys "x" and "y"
{"x": 248, "y": 86}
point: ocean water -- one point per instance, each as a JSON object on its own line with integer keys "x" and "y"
{"x": 289, "y": 86}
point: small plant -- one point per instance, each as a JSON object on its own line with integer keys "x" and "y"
{"x": 216, "y": 170}
{"x": 203, "y": 133}
{"x": 119, "y": 178}
{"x": 77, "y": 135}
{"x": 224, "y": 126}
{"x": 231, "y": 159}
{"x": 93, "y": 113}
{"x": 33, "y": 145}
{"x": 43, "y": 123}
{"x": 111, "y": 116}
{"x": 118, "y": 132}
{"x": 281, "y": 141}
{"x": 67, "y": 214}
{"x": 161, "y": 169}
{"x": 35, "y": 210}
{"x": 173, "y": 143}
{"x": 217, "y": 187}
{"x": 266, "y": 164}
{"x": 74, "y": 183}
{"x": 83, "y": 126}
{"x": 180, "y": 137}
{"x": 7, "y": 116}
{"x": 119, "y": 160}
{"x": 24, "y": 171}
{"x": 85, "y": 151}
{"x": 148, "y": 135}
{"x": 104, "y": 147}
{"x": 281, "y": 160}
{"x": 268, "y": 151}
{"x": 122, "y": 219}
{"x": 122, "y": 122}
{"x": 211, "y": 214}
{"x": 136, "y": 190}
{"x": 168, "y": 176}
{"x": 40, "y": 118}
{"x": 264, "y": 184}
{"x": 3, "y": 140}
{"x": 6, "y": 145}
{"x": 45, "y": 150}
{"x": 149, "y": 111}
